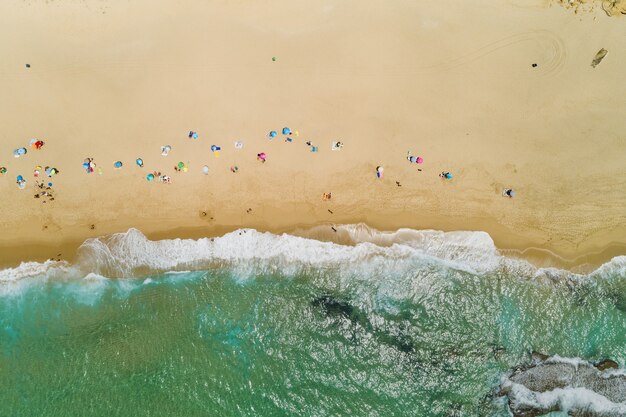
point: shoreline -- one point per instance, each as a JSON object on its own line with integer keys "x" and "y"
{"x": 540, "y": 257}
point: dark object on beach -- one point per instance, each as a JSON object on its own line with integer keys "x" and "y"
{"x": 534, "y": 65}
{"x": 203, "y": 214}
{"x": 330, "y": 211}
{"x": 599, "y": 57}
{"x": 27, "y": 65}
{"x": 92, "y": 227}
{"x": 334, "y": 230}
{"x": 398, "y": 183}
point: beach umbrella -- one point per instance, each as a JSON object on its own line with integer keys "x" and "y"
{"x": 139, "y": 162}
{"x": 261, "y": 156}
{"x": 19, "y": 152}
{"x": 165, "y": 150}
{"x": 20, "y": 178}
{"x": 272, "y": 134}
{"x": 419, "y": 160}
{"x": 449, "y": 176}
{"x": 205, "y": 170}
{"x": 150, "y": 177}
{"x": 215, "y": 148}
{"x": 286, "y": 131}
{"x": 117, "y": 164}
{"x": 181, "y": 165}
{"x": 3, "y": 170}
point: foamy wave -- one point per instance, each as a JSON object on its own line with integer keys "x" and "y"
{"x": 567, "y": 385}
{"x": 131, "y": 254}
{"x": 31, "y": 269}
{"x": 566, "y": 399}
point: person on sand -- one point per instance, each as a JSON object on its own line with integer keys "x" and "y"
{"x": 446, "y": 175}
{"x": 326, "y": 196}
{"x": 21, "y": 182}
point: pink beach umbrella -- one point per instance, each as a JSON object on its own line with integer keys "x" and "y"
{"x": 262, "y": 157}
{"x": 420, "y": 160}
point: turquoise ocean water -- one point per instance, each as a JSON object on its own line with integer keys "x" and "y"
{"x": 250, "y": 324}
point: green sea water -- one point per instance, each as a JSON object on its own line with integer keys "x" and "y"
{"x": 384, "y": 337}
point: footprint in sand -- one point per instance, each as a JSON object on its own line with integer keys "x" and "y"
{"x": 205, "y": 215}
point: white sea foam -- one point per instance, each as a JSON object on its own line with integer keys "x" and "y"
{"x": 575, "y": 362}
{"x": 566, "y": 399}
{"x": 31, "y": 269}
{"x": 131, "y": 254}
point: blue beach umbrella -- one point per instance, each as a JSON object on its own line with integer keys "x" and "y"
{"x": 139, "y": 162}
{"x": 49, "y": 184}
{"x": 448, "y": 176}
{"x": 19, "y": 152}
{"x": 286, "y": 131}
{"x": 117, "y": 164}
{"x": 150, "y": 177}
{"x": 272, "y": 134}
{"x": 20, "y": 178}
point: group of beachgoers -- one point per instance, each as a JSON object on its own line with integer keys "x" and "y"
{"x": 90, "y": 166}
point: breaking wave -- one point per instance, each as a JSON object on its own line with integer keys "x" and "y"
{"x": 131, "y": 254}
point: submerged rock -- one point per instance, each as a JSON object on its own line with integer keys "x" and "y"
{"x": 568, "y": 385}
{"x": 338, "y": 309}
{"x": 607, "y": 364}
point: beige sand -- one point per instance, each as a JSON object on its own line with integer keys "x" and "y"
{"x": 117, "y": 80}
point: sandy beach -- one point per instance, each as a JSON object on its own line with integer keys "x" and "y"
{"x": 455, "y": 85}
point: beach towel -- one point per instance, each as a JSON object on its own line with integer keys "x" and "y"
{"x": 314, "y": 148}
{"x": 165, "y": 150}
{"x": 238, "y": 145}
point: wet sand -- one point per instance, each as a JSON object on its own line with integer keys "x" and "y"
{"x": 455, "y": 85}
